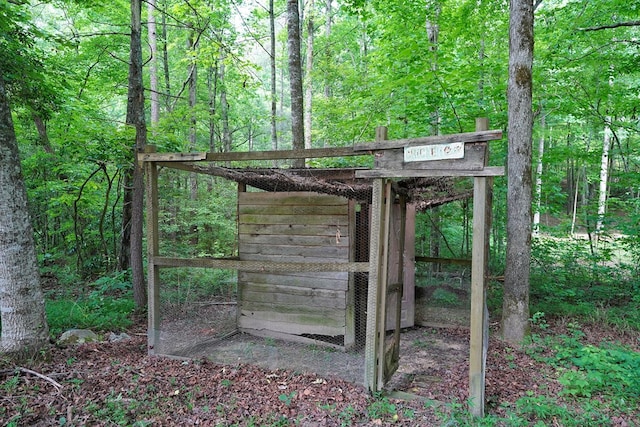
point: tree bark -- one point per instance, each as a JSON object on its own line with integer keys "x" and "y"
{"x": 153, "y": 63}
{"x": 131, "y": 244}
{"x": 515, "y": 310}
{"x": 23, "y": 319}
{"x": 308, "y": 99}
{"x": 538, "y": 199}
{"x": 272, "y": 64}
{"x": 604, "y": 169}
{"x": 295, "y": 79}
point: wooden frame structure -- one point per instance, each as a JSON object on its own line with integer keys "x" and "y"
{"x": 385, "y": 288}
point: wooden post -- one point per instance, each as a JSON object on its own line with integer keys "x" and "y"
{"x": 374, "y": 340}
{"x": 153, "y": 272}
{"x": 479, "y": 326}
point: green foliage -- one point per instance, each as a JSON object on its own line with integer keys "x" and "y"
{"x": 108, "y": 306}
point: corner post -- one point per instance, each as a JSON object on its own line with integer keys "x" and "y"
{"x": 479, "y": 326}
{"x": 153, "y": 271}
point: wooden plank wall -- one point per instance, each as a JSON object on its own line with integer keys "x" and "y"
{"x": 293, "y": 227}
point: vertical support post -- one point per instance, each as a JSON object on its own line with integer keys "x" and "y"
{"x": 377, "y": 261}
{"x": 479, "y": 326}
{"x": 371, "y": 360}
{"x": 350, "y": 314}
{"x": 383, "y": 282}
{"x": 153, "y": 272}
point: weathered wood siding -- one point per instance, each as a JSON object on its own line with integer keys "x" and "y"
{"x": 293, "y": 227}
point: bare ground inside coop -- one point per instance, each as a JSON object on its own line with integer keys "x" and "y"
{"x": 430, "y": 358}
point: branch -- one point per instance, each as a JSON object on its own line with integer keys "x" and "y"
{"x": 56, "y": 384}
{"x": 614, "y": 25}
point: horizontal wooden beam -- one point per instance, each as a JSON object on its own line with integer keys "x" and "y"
{"x": 260, "y": 266}
{"x": 488, "y": 135}
{"x": 420, "y": 173}
{"x": 458, "y": 261}
{"x": 311, "y": 153}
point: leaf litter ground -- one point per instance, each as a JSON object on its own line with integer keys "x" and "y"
{"x": 119, "y": 384}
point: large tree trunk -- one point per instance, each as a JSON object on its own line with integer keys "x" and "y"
{"x": 515, "y": 310}
{"x": 131, "y": 244}
{"x": 295, "y": 79}
{"x": 23, "y": 319}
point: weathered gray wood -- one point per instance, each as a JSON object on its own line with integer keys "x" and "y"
{"x": 171, "y": 157}
{"x": 153, "y": 273}
{"x": 488, "y": 135}
{"x": 457, "y": 261}
{"x": 337, "y": 239}
{"x": 333, "y": 301}
{"x": 413, "y": 173}
{"x": 281, "y": 209}
{"x": 295, "y": 198}
{"x": 302, "y": 293}
{"x": 259, "y": 266}
{"x": 375, "y": 255}
{"x": 292, "y": 326}
{"x": 291, "y": 229}
{"x": 336, "y": 220}
{"x": 383, "y": 284}
{"x": 324, "y": 253}
{"x": 474, "y": 159}
{"x": 350, "y": 295}
{"x": 313, "y": 280}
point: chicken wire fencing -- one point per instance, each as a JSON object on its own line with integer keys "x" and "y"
{"x": 299, "y": 301}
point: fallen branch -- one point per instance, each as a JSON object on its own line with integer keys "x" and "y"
{"x": 56, "y": 384}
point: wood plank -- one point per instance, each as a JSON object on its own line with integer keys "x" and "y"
{"x": 413, "y": 173}
{"x": 457, "y": 261}
{"x": 335, "y": 220}
{"x": 488, "y": 135}
{"x": 302, "y": 210}
{"x": 287, "y": 327}
{"x": 301, "y": 198}
{"x": 336, "y": 281}
{"x": 311, "y": 153}
{"x": 302, "y": 259}
{"x": 153, "y": 249}
{"x": 291, "y": 229}
{"x": 259, "y": 266}
{"x": 278, "y": 299}
{"x": 171, "y": 157}
{"x": 337, "y": 239}
{"x": 303, "y": 292}
{"x": 319, "y": 253}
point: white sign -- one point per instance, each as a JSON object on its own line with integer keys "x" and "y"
{"x": 421, "y": 153}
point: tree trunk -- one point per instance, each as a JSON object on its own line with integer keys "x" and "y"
{"x": 604, "y": 169}
{"x": 212, "y": 85}
{"x": 23, "y": 319}
{"x": 131, "y": 244}
{"x": 295, "y": 79}
{"x": 272, "y": 64}
{"x": 515, "y": 310}
{"x": 153, "y": 63}
{"x": 165, "y": 62}
{"x": 327, "y": 34}
{"x": 308, "y": 99}
{"x": 538, "y": 198}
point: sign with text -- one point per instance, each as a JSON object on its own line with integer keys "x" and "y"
{"x": 421, "y": 153}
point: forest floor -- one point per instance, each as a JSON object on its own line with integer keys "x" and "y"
{"x": 119, "y": 384}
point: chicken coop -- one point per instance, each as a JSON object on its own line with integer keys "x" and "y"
{"x": 321, "y": 257}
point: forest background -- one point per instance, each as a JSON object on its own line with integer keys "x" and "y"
{"x": 418, "y": 67}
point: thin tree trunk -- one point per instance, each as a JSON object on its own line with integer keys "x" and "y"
{"x": 538, "y": 198}
{"x": 193, "y": 84}
{"x": 153, "y": 63}
{"x": 23, "y": 320}
{"x": 604, "y": 169}
{"x": 212, "y": 84}
{"x": 295, "y": 79}
{"x": 308, "y": 99}
{"x": 327, "y": 34}
{"x": 224, "y": 110}
{"x": 131, "y": 243}
{"x": 515, "y": 308}
{"x": 272, "y": 65}
{"x": 165, "y": 62}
